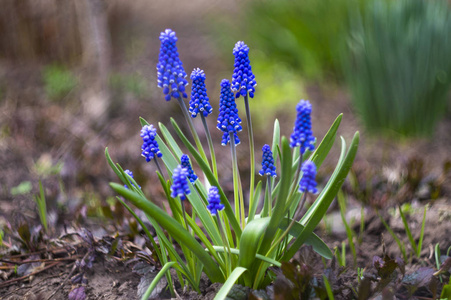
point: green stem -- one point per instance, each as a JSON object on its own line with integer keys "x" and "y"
{"x": 193, "y": 130}
{"x": 210, "y": 145}
{"x": 227, "y": 254}
{"x": 252, "y": 151}
{"x": 293, "y": 220}
{"x": 237, "y": 189}
{"x": 155, "y": 159}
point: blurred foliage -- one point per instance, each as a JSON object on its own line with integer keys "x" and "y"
{"x": 134, "y": 84}
{"x": 278, "y": 87}
{"x": 58, "y": 81}
{"x": 307, "y": 35}
{"x": 398, "y": 67}
{"x": 22, "y": 189}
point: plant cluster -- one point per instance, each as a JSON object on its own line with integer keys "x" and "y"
{"x": 239, "y": 243}
{"x": 398, "y": 69}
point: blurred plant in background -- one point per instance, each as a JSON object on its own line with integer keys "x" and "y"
{"x": 398, "y": 69}
{"x": 58, "y": 81}
{"x": 292, "y": 32}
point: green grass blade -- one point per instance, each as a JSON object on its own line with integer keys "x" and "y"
{"x": 157, "y": 278}
{"x": 225, "y": 289}
{"x": 409, "y": 233}
{"x": 170, "y": 140}
{"x": 174, "y": 228}
{"x": 423, "y": 223}
{"x": 397, "y": 240}
{"x": 325, "y": 199}
{"x": 329, "y": 292}
{"x": 349, "y": 232}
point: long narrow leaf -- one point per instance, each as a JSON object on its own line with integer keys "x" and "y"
{"x": 326, "y": 198}
{"x": 225, "y": 289}
{"x": 211, "y": 178}
{"x": 157, "y": 278}
{"x": 174, "y": 228}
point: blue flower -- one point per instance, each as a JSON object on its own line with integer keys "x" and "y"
{"x": 180, "y": 187}
{"x": 171, "y": 75}
{"x": 186, "y": 164}
{"x": 268, "y": 167}
{"x": 129, "y": 173}
{"x": 308, "y": 182}
{"x": 228, "y": 119}
{"x": 214, "y": 202}
{"x": 302, "y": 131}
{"x": 199, "y": 100}
{"x": 150, "y": 147}
{"x": 243, "y": 80}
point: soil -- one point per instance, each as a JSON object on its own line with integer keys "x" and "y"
{"x": 36, "y": 134}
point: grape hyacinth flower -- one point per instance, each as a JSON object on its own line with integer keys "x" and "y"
{"x": 228, "y": 119}
{"x": 308, "y": 182}
{"x": 243, "y": 80}
{"x": 129, "y": 173}
{"x": 150, "y": 147}
{"x": 170, "y": 72}
{"x": 268, "y": 167}
{"x": 199, "y": 102}
{"x": 214, "y": 202}
{"x": 187, "y": 165}
{"x": 302, "y": 131}
{"x": 179, "y": 185}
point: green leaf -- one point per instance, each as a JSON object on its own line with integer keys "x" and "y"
{"x": 157, "y": 279}
{"x": 313, "y": 240}
{"x": 250, "y": 238}
{"x": 279, "y": 209}
{"x": 175, "y": 230}
{"x": 319, "y": 209}
{"x": 258, "y": 256}
{"x": 253, "y": 209}
{"x": 211, "y": 178}
{"x": 326, "y": 144}
{"x": 225, "y": 289}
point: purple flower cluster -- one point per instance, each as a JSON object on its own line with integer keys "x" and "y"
{"x": 129, "y": 173}
{"x": 243, "y": 80}
{"x": 268, "y": 167}
{"x": 308, "y": 182}
{"x": 302, "y": 132}
{"x": 180, "y": 187}
{"x": 199, "y": 102}
{"x": 228, "y": 119}
{"x": 150, "y": 147}
{"x": 170, "y": 72}
{"x": 214, "y": 202}
{"x": 187, "y": 165}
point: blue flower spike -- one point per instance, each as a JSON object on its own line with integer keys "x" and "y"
{"x": 214, "y": 202}
{"x": 180, "y": 187}
{"x": 187, "y": 165}
{"x": 228, "y": 119}
{"x": 308, "y": 182}
{"x": 129, "y": 173}
{"x": 150, "y": 147}
{"x": 170, "y": 72}
{"x": 268, "y": 167}
{"x": 302, "y": 131}
{"x": 199, "y": 102}
{"x": 243, "y": 80}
